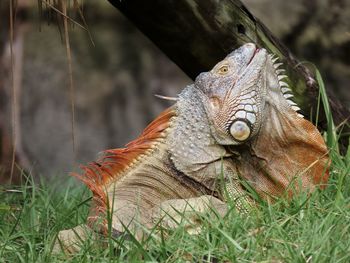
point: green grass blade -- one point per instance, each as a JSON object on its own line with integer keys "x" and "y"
{"x": 332, "y": 140}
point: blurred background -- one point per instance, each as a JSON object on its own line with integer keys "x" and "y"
{"x": 116, "y": 74}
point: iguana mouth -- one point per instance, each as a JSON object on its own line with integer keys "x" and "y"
{"x": 256, "y": 51}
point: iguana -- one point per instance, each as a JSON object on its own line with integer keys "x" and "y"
{"x": 236, "y": 123}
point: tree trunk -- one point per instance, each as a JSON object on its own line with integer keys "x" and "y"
{"x": 197, "y": 34}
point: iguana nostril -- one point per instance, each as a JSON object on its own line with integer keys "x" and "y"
{"x": 240, "y": 130}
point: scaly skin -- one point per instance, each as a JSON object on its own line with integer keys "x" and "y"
{"x": 234, "y": 123}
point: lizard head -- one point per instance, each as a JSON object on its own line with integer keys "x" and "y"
{"x": 235, "y": 93}
{"x": 246, "y": 99}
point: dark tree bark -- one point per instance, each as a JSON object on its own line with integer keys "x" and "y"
{"x": 197, "y": 34}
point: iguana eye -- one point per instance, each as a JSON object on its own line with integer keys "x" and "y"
{"x": 223, "y": 70}
{"x": 240, "y": 130}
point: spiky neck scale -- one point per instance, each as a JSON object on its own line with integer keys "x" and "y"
{"x": 279, "y": 84}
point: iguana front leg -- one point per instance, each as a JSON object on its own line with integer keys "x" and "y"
{"x": 171, "y": 213}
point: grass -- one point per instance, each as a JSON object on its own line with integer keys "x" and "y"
{"x": 313, "y": 228}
